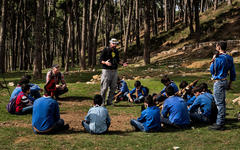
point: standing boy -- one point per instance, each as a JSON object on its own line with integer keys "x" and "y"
{"x": 221, "y": 64}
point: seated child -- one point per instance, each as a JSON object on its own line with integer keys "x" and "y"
{"x": 174, "y": 110}
{"x": 46, "y": 116}
{"x": 122, "y": 91}
{"x": 35, "y": 90}
{"x": 188, "y": 96}
{"x": 150, "y": 117}
{"x": 97, "y": 120}
{"x": 138, "y": 94}
{"x": 166, "y": 82}
{"x": 23, "y": 103}
{"x": 200, "y": 110}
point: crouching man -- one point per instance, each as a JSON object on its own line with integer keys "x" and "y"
{"x": 46, "y": 117}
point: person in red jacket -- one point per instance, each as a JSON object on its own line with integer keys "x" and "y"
{"x": 23, "y": 103}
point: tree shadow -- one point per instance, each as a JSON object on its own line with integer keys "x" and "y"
{"x": 74, "y": 98}
{"x": 128, "y": 105}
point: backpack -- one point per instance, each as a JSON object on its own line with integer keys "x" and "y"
{"x": 11, "y": 105}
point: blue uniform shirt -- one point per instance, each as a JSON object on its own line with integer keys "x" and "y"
{"x": 220, "y": 67}
{"x": 141, "y": 92}
{"x": 191, "y": 100}
{"x": 150, "y": 118}
{"x": 204, "y": 102}
{"x": 124, "y": 87}
{"x": 174, "y": 87}
{"x": 98, "y": 118}
{"x": 33, "y": 89}
{"x": 176, "y": 107}
{"x": 45, "y": 113}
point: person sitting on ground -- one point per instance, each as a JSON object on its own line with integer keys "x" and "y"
{"x": 18, "y": 89}
{"x": 23, "y": 103}
{"x": 57, "y": 76}
{"x": 122, "y": 91}
{"x": 188, "y": 96}
{"x": 137, "y": 94}
{"x": 150, "y": 117}
{"x": 97, "y": 120}
{"x": 35, "y": 90}
{"x": 166, "y": 82}
{"x": 200, "y": 110}
{"x": 46, "y": 116}
{"x": 204, "y": 87}
{"x": 174, "y": 112}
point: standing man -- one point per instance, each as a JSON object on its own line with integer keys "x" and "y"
{"x": 221, "y": 64}
{"x": 109, "y": 59}
{"x": 54, "y": 75}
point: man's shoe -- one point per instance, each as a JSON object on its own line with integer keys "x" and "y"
{"x": 216, "y": 127}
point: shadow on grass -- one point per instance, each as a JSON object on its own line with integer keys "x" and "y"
{"x": 74, "y": 98}
{"x": 231, "y": 123}
{"x": 118, "y": 132}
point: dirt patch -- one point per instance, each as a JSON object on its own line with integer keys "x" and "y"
{"x": 118, "y": 122}
{"x": 15, "y": 124}
{"x": 197, "y": 64}
{"x": 25, "y": 139}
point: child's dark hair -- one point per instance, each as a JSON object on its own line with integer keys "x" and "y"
{"x": 197, "y": 89}
{"x": 204, "y": 87}
{"x": 98, "y": 99}
{"x": 223, "y": 45}
{"x": 165, "y": 79}
{"x": 23, "y": 80}
{"x": 169, "y": 90}
{"x": 149, "y": 100}
{"x": 25, "y": 87}
{"x": 137, "y": 84}
{"x": 183, "y": 84}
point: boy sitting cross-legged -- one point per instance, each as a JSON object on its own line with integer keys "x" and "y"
{"x": 138, "y": 94}
{"x": 150, "y": 117}
{"x": 174, "y": 112}
{"x": 97, "y": 120}
{"x": 46, "y": 117}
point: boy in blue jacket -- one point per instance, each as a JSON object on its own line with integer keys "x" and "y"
{"x": 137, "y": 94}
{"x": 150, "y": 117}
{"x": 46, "y": 117}
{"x": 200, "y": 110}
{"x": 175, "y": 110}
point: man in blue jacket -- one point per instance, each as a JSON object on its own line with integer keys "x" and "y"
{"x": 176, "y": 108}
{"x": 150, "y": 117}
{"x": 46, "y": 117}
{"x": 200, "y": 110}
{"x": 221, "y": 64}
{"x": 122, "y": 91}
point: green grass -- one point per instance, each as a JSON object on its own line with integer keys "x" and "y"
{"x": 15, "y": 136}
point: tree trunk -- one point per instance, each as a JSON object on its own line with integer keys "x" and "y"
{"x": 83, "y": 40}
{"x": 64, "y": 39}
{"x": 147, "y": 32}
{"x": 186, "y": 12}
{"x": 197, "y": 22}
{"x": 155, "y": 22}
{"x": 121, "y": 22}
{"x": 229, "y": 2}
{"x": 202, "y": 6}
{"x": 90, "y": 33}
{"x": 137, "y": 26}
{"x": 3, "y": 35}
{"x": 128, "y": 30}
{"x": 215, "y": 4}
{"x": 96, "y": 33}
{"x": 190, "y": 17}
{"x": 166, "y": 2}
{"x": 37, "y": 69}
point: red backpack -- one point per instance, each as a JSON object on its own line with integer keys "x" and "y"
{"x": 11, "y": 106}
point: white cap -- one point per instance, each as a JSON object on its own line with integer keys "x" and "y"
{"x": 113, "y": 41}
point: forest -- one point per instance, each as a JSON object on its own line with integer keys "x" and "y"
{"x": 35, "y": 34}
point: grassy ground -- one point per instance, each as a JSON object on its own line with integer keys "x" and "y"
{"x": 16, "y": 132}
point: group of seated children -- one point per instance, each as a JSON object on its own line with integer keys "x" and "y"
{"x": 196, "y": 104}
